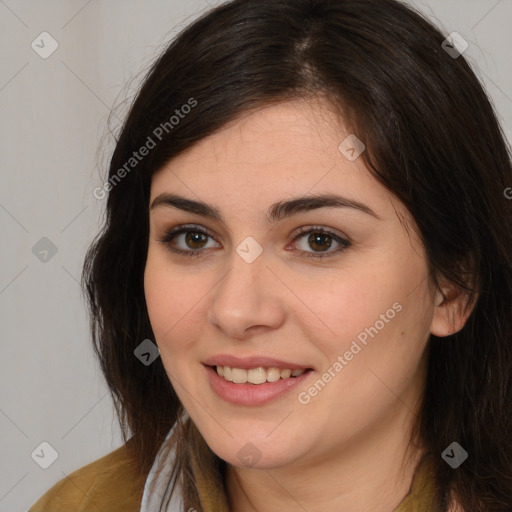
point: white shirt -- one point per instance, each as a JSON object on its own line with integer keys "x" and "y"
{"x": 157, "y": 489}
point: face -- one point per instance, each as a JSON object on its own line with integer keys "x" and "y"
{"x": 338, "y": 291}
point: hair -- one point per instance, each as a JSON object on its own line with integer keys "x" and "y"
{"x": 432, "y": 139}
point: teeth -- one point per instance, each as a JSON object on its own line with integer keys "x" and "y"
{"x": 256, "y": 375}
{"x": 285, "y": 374}
{"x": 239, "y": 376}
{"x": 273, "y": 374}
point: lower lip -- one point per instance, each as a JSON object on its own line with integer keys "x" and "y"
{"x": 252, "y": 394}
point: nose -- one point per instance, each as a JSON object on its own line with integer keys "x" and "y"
{"x": 248, "y": 299}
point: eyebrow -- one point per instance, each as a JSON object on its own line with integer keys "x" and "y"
{"x": 276, "y": 212}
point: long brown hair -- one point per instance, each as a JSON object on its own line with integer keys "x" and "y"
{"x": 432, "y": 138}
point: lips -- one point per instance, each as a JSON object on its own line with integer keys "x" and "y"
{"x": 236, "y": 387}
{"x": 248, "y": 394}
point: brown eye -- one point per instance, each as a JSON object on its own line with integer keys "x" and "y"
{"x": 195, "y": 237}
{"x": 191, "y": 238}
{"x": 193, "y": 241}
{"x": 320, "y": 241}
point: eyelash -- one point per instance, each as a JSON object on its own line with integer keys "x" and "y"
{"x": 171, "y": 234}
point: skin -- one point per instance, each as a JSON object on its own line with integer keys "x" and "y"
{"x": 346, "y": 448}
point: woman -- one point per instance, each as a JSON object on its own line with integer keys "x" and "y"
{"x": 306, "y": 215}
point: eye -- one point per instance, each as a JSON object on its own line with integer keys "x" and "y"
{"x": 196, "y": 237}
{"x": 193, "y": 236}
{"x": 320, "y": 240}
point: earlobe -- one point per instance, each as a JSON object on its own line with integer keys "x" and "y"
{"x": 451, "y": 311}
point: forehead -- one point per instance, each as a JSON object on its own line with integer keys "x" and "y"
{"x": 269, "y": 154}
{"x": 267, "y": 133}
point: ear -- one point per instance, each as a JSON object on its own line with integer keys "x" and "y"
{"x": 452, "y": 308}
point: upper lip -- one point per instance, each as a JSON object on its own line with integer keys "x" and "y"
{"x": 251, "y": 362}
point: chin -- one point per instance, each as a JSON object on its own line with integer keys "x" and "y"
{"x": 243, "y": 453}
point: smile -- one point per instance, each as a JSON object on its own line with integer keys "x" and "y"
{"x": 254, "y": 386}
{"x": 256, "y": 376}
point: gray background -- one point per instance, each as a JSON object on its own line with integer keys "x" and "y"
{"x": 55, "y": 145}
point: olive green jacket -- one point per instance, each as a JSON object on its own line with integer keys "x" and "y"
{"x": 112, "y": 484}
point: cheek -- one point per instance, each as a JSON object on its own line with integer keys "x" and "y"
{"x": 341, "y": 308}
{"x": 173, "y": 300}
{"x": 165, "y": 306}
{"x": 369, "y": 315}
{"x": 382, "y": 350}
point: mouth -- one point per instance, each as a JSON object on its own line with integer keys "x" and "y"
{"x": 257, "y": 376}
{"x": 254, "y": 386}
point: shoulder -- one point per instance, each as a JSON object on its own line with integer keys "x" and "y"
{"x": 109, "y": 483}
